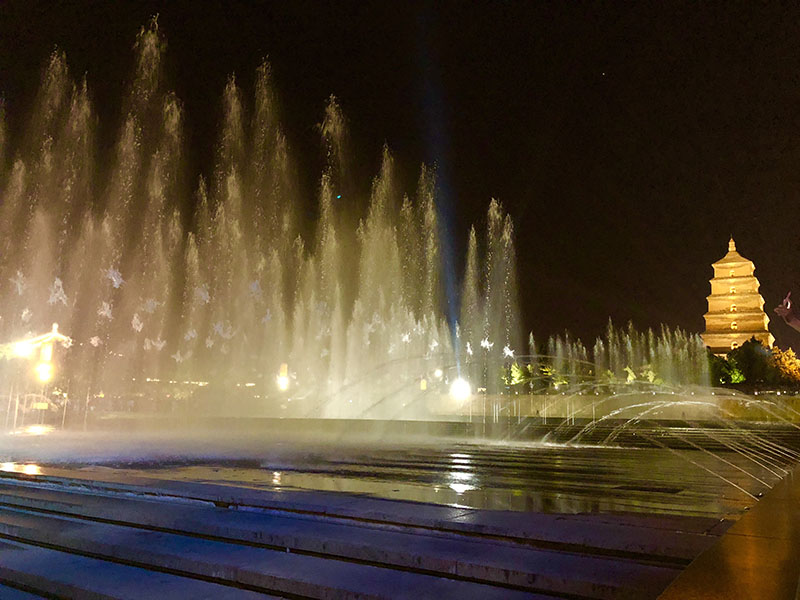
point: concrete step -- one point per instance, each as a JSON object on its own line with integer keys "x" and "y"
{"x": 257, "y": 568}
{"x": 673, "y": 540}
{"x": 9, "y": 593}
{"x": 491, "y": 561}
{"x": 66, "y": 575}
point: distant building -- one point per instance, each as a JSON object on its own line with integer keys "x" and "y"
{"x": 735, "y": 308}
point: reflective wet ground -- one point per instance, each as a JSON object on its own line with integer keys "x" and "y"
{"x": 518, "y": 476}
{"x": 653, "y": 493}
{"x": 540, "y": 479}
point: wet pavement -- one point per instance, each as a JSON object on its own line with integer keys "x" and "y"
{"x": 496, "y": 476}
{"x": 758, "y": 557}
{"x": 532, "y": 479}
{"x": 592, "y": 521}
{"x": 300, "y": 544}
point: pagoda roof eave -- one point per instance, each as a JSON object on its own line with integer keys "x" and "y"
{"x": 731, "y": 258}
{"x": 734, "y": 296}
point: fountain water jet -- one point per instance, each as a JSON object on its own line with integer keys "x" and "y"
{"x": 221, "y": 287}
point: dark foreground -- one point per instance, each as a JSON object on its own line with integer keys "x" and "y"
{"x": 177, "y": 515}
{"x": 128, "y": 537}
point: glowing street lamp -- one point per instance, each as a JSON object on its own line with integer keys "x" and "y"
{"x": 460, "y": 390}
{"x": 24, "y": 349}
{"x": 283, "y": 377}
{"x": 44, "y": 371}
{"x": 44, "y": 345}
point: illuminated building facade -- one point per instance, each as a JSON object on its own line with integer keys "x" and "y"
{"x": 735, "y": 308}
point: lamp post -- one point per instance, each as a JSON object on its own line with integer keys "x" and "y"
{"x": 283, "y": 377}
{"x": 27, "y": 348}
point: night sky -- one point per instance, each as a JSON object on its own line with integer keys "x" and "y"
{"x": 628, "y": 141}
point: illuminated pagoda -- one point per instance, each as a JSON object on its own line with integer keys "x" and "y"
{"x": 735, "y": 308}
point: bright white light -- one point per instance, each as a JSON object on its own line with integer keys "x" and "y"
{"x": 283, "y": 382}
{"x": 460, "y": 488}
{"x": 460, "y": 390}
{"x": 438, "y": 373}
{"x": 44, "y": 371}
{"x": 24, "y": 349}
{"x": 29, "y": 469}
{"x": 32, "y": 470}
{"x": 39, "y": 429}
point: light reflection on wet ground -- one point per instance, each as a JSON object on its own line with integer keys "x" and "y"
{"x": 519, "y": 478}
{"x": 25, "y": 468}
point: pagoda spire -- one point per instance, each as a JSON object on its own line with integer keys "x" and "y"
{"x": 731, "y": 245}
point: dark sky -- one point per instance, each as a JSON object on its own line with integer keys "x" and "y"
{"x": 627, "y": 140}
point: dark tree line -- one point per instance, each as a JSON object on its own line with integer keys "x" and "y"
{"x": 753, "y": 365}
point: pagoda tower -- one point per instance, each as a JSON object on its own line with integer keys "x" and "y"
{"x": 735, "y": 308}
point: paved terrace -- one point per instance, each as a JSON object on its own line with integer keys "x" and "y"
{"x": 759, "y": 556}
{"x": 119, "y": 536}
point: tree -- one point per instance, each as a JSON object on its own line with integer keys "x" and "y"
{"x": 724, "y": 371}
{"x": 787, "y": 364}
{"x": 755, "y": 362}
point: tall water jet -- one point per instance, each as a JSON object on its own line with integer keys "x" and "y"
{"x": 217, "y": 286}
{"x": 225, "y": 287}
